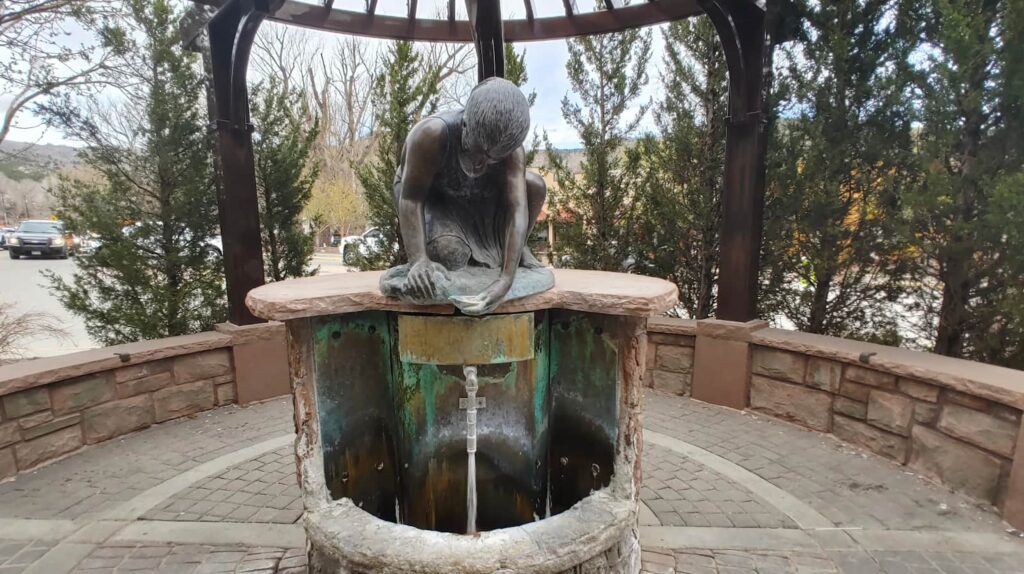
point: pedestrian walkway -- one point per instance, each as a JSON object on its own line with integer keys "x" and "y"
{"x": 724, "y": 493}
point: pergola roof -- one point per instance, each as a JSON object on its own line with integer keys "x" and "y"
{"x": 412, "y": 26}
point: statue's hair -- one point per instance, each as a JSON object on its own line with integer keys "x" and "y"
{"x": 497, "y": 115}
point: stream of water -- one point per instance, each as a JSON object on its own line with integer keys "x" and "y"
{"x": 471, "y": 497}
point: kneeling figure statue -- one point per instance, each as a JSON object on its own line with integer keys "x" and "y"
{"x": 466, "y": 205}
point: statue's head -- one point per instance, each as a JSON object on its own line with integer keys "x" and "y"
{"x": 494, "y": 124}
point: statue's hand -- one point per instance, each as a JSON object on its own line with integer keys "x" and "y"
{"x": 486, "y": 301}
{"x": 422, "y": 282}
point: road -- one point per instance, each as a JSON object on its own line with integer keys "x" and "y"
{"x": 22, "y": 284}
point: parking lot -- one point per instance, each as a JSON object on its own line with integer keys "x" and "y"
{"x": 22, "y": 283}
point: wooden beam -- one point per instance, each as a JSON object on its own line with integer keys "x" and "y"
{"x": 570, "y": 7}
{"x": 412, "y": 10}
{"x": 530, "y": 10}
{"x": 519, "y": 30}
{"x": 371, "y": 7}
{"x": 488, "y": 37}
{"x": 451, "y": 10}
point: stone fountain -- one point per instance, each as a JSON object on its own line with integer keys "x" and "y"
{"x": 470, "y": 412}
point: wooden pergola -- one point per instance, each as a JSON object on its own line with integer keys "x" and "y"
{"x": 745, "y": 28}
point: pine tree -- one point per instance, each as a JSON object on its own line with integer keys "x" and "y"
{"x": 839, "y": 163}
{"x": 679, "y": 202}
{"x": 403, "y": 90}
{"x": 285, "y": 175}
{"x": 153, "y": 204}
{"x": 607, "y": 73}
{"x": 967, "y": 214}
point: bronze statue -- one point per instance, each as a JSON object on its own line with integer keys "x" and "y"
{"x": 466, "y": 205}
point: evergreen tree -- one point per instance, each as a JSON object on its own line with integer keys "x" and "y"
{"x": 607, "y": 73}
{"x": 404, "y": 90}
{"x": 840, "y": 162}
{"x": 679, "y": 202}
{"x": 153, "y": 204}
{"x": 967, "y": 214}
{"x": 285, "y": 174}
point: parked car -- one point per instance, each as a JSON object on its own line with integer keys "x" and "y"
{"x": 39, "y": 237}
{"x": 91, "y": 243}
{"x": 4, "y": 232}
{"x": 352, "y": 246}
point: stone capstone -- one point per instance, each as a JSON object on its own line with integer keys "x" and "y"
{"x": 799, "y": 404}
{"x": 26, "y": 402}
{"x": 871, "y": 438}
{"x": 824, "y": 374}
{"x": 182, "y": 400}
{"x": 891, "y": 412}
{"x": 77, "y": 394}
{"x": 674, "y": 359}
{"x": 980, "y": 429}
{"x": 955, "y": 463}
{"x": 779, "y": 365}
{"x": 117, "y": 418}
{"x": 205, "y": 365}
{"x": 35, "y": 452}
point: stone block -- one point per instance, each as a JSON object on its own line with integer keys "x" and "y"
{"x": 823, "y": 374}
{"x": 778, "y": 365}
{"x": 926, "y": 413}
{"x": 870, "y": 377}
{"x": 51, "y": 426}
{"x": 918, "y": 390}
{"x": 649, "y": 357}
{"x": 35, "y": 452}
{"x": 850, "y": 408}
{"x": 116, "y": 418}
{"x": 966, "y": 400}
{"x": 26, "y": 402}
{"x": 132, "y": 372}
{"x": 78, "y": 394}
{"x": 891, "y": 412}
{"x": 864, "y": 435}
{"x": 144, "y": 385}
{"x": 956, "y": 464}
{"x": 677, "y": 383}
{"x": 182, "y": 400}
{"x": 225, "y": 393}
{"x": 8, "y": 466}
{"x": 1005, "y": 412}
{"x": 9, "y": 433}
{"x": 205, "y": 365}
{"x": 799, "y": 404}
{"x": 674, "y": 359}
{"x": 855, "y": 391}
{"x": 980, "y": 429}
{"x": 670, "y": 339}
{"x": 35, "y": 420}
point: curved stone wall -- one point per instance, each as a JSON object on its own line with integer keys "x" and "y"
{"x": 955, "y": 421}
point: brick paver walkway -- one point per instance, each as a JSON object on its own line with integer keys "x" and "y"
{"x": 724, "y": 493}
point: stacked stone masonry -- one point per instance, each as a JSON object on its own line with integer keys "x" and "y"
{"x": 670, "y": 351}
{"x": 963, "y": 441}
{"x": 46, "y": 422}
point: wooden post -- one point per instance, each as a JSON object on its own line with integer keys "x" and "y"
{"x": 488, "y": 37}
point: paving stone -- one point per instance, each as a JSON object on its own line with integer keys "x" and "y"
{"x": 891, "y": 412}
{"x": 980, "y": 429}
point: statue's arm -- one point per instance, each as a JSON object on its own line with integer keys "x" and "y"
{"x": 423, "y": 154}
{"x": 518, "y": 220}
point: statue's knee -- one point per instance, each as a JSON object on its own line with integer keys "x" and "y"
{"x": 450, "y": 251}
{"x": 536, "y": 189}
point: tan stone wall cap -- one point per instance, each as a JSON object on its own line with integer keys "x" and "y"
{"x": 241, "y": 334}
{"x": 28, "y": 374}
{"x": 672, "y": 326}
{"x": 990, "y": 382}
{"x": 731, "y": 330}
{"x": 588, "y": 291}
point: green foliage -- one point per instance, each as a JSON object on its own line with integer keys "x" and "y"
{"x": 679, "y": 197}
{"x": 153, "y": 203}
{"x": 403, "y": 91}
{"x": 966, "y": 216}
{"x": 840, "y": 161}
{"x": 595, "y": 211}
{"x": 285, "y": 174}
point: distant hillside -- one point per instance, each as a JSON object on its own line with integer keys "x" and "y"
{"x": 34, "y": 162}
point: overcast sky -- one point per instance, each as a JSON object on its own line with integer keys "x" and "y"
{"x": 545, "y": 62}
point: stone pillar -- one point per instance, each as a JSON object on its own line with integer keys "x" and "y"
{"x": 1013, "y": 503}
{"x": 721, "y": 369}
{"x": 261, "y": 360}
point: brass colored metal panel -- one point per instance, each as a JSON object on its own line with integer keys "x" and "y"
{"x": 442, "y": 340}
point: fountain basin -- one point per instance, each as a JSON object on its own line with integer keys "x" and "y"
{"x": 381, "y": 445}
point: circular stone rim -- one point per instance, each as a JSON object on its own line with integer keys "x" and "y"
{"x": 360, "y": 540}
